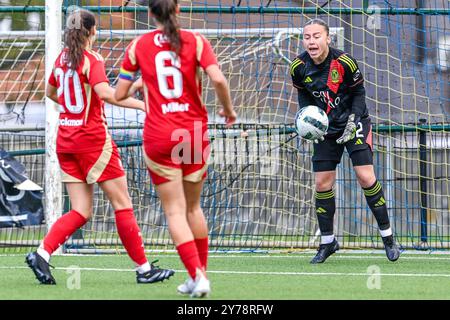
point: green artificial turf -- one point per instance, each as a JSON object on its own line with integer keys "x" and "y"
{"x": 238, "y": 276}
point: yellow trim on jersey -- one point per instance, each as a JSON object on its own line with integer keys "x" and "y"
{"x": 199, "y": 47}
{"x": 86, "y": 68}
{"x": 295, "y": 64}
{"x": 166, "y": 172}
{"x": 132, "y": 51}
{"x": 147, "y": 104}
{"x": 97, "y": 55}
{"x": 87, "y": 89}
{"x": 196, "y": 176}
{"x": 348, "y": 62}
{"x": 99, "y": 167}
{"x": 65, "y": 177}
{"x": 199, "y": 51}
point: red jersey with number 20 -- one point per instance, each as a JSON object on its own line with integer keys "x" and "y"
{"x": 82, "y": 123}
{"x": 172, "y": 84}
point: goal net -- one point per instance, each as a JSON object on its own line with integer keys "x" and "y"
{"x": 251, "y": 198}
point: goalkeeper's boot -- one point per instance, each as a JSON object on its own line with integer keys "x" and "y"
{"x": 40, "y": 268}
{"x": 186, "y": 287}
{"x": 392, "y": 249}
{"x": 155, "y": 274}
{"x": 325, "y": 250}
{"x": 202, "y": 286}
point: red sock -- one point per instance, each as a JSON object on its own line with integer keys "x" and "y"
{"x": 189, "y": 256}
{"x": 130, "y": 235}
{"x": 62, "y": 229}
{"x": 202, "y": 248}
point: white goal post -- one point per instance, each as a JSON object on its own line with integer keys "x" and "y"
{"x": 53, "y": 185}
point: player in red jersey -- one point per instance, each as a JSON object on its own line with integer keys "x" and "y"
{"x": 86, "y": 152}
{"x": 176, "y": 142}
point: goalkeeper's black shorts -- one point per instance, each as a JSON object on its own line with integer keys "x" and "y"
{"x": 327, "y": 154}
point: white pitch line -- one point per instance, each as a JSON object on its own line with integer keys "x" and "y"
{"x": 336, "y": 274}
{"x": 267, "y": 256}
{"x": 337, "y": 255}
{"x": 265, "y": 273}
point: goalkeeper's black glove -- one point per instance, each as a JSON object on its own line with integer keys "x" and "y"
{"x": 349, "y": 131}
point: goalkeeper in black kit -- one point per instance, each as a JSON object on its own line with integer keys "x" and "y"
{"x": 330, "y": 79}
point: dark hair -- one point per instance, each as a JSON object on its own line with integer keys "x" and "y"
{"x": 78, "y": 26}
{"x": 319, "y": 22}
{"x": 164, "y": 12}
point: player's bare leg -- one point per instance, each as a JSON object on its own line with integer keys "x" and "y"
{"x": 129, "y": 232}
{"x": 199, "y": 228}
{"x": 174, "y": 205}
{"x": 196, "y": 218}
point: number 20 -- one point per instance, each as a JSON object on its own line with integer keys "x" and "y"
{"x": 164, "y": 72}
{"x": 64, "y": 87}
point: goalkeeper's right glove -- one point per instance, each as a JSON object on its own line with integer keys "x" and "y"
{"x": 349, "y": 131}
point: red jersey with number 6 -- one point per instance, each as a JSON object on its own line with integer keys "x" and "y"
{"x": 172, "y": 84}
{"x": 82, "y": 122}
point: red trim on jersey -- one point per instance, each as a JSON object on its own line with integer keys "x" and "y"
{"x": 356, "y": 83}
{"x": 335, "y": 76}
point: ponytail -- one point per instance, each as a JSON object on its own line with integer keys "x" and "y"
{"x": 77, "y": 32}
{"x": 164, "y": 12}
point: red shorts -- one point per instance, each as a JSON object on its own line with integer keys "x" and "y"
{"x": 91, "y": 167}
{"x": 169, "y": 160}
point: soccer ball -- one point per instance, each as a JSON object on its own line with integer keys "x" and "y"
{"x": 311, "y": 122}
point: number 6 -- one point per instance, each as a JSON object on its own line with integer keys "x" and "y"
{"x": 173, "y": 71}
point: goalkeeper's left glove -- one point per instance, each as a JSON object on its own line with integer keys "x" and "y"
{"x": 315, "y": 140}
{"x": 349, "y": 131}
{"x": 319, "y": 139}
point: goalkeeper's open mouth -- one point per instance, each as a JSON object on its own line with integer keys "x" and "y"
{"x": 313, "y": 51}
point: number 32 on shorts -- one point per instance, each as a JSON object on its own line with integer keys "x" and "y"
{"x": 359, "y": 131}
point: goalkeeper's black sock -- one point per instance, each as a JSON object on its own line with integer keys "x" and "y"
{"x": 325, "y": 208}
{"x": 377, "y": 203}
